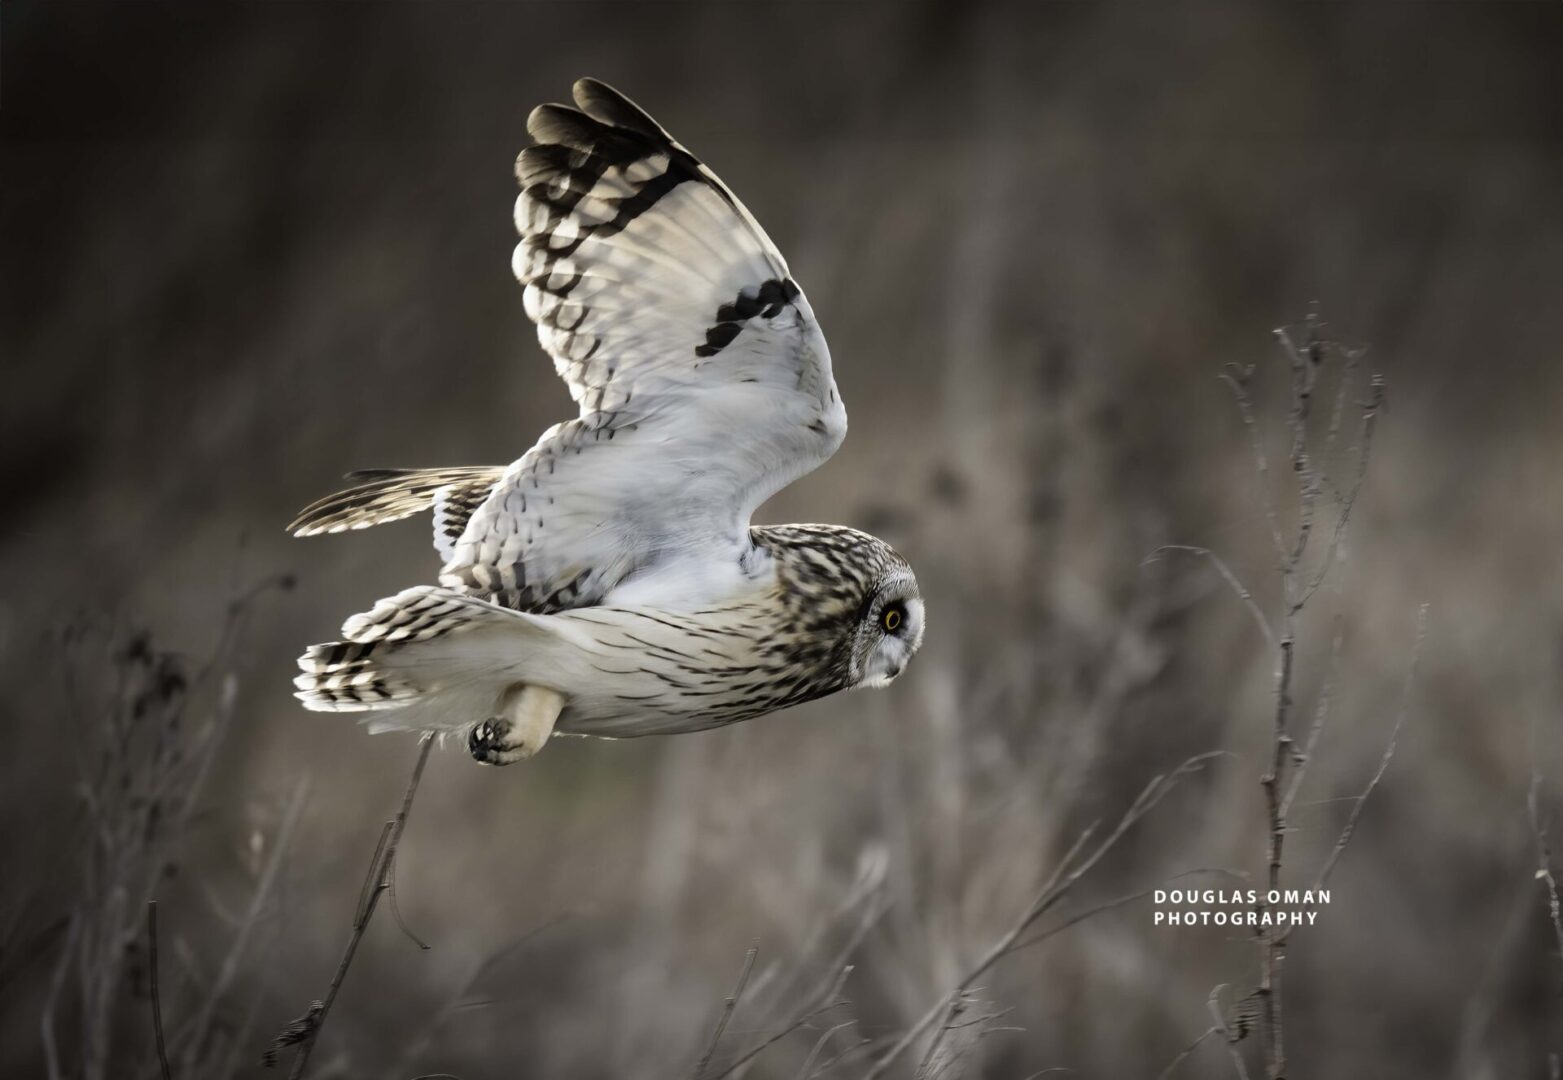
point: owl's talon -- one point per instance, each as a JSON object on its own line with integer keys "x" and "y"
{"x": 488, "y": 744}
{"x": 529, "y": 713}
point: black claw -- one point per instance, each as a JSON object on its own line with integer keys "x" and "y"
{"x": 487, "y": 742}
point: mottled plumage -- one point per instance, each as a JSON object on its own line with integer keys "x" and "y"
{"x": 613, "y": 562}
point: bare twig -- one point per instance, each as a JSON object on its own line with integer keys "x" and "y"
{"x": 1306, "y": 359}
{"x": 1538, "y": 825}
{"x": 1273, "y": 943}
{"x": 1118, "y": 902}
{"x": 728, "y": 1008}
{"x": 1230, "y": 578}
{"x": 62, "y": 969}
{"x": 1321, "y": 711}
{"x": 952, "y": 1011}
{"x": 376, "y": 883}
{"x": 857, "y": 1047}
{"x": 415, "y": 1046}
{"x": 958, "y": 1034}
{"x": 1389, "y": 752}
{"x": 1371, "y": 408}
{"x": 1236, "y": 377}
{"x": 819, "y": 1046}
{"x": 201, "y": 1024}
{"x": 154, "y": 990}
{"x": 1183, "y": 1055}
{"x": 807, "y": 1014}
{"x": 1064, "y": 876}
{"x": 1213, "y": 1003}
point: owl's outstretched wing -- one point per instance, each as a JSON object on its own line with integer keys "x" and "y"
{"x": 703, "y": 380}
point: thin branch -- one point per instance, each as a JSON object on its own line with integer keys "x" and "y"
{"x": 1230, "y": 578}
{"x": 808, "y": 1013}
{"x": 379, "y": 875}
{"x": 1305, "y": 363}
{"x": 1271, "y": 941}
{"x": 1236, "y": 378}
{"x": 1371, "y": 409}
{"x": 796, "y": 1024}
{"x": 1186, "y": 1051}
{"x": 1544, "y": 873}
{"x": 1213, "y": 1003}
{"x": 862, "y": 1044}
{"x": 728, "y": 1008}
{"x": 1109, "y": 905}
{"x": 1063, "y": 878}
{"x": 51, "y": 1051}
{"x": 1389, "y": 752}
{"x": 155, "y": 990}
{"x": 957, "y": 1005}
{"x": 264, "y": 888}
{"x": 1321, "y": 712}
{"x": 819, "y": 1046}
{"x": 396, "y": 913}
{"x": 415, "y": 1046}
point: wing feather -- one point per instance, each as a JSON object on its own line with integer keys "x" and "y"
{"x": 703, "y": 381}
{"x": 383, "y": 495}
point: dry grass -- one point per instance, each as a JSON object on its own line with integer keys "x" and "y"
{"x": 237, "y": 264}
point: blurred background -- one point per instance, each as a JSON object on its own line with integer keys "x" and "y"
{"x": 247, "y": 247}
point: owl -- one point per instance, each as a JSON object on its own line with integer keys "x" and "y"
{"x": 608, "y": 582}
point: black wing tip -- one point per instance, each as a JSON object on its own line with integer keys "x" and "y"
{"x": 551, "y": 122}
{"x": 586, "y": 89}
{"x": 602, "y": 102}
{"x": 597, "y": 106}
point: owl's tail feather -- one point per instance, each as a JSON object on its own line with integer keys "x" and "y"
{"x": 392, "y": 494}
{"x": 427, "y": 659}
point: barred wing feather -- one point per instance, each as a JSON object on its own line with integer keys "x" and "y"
{"x": 703, "y": 380}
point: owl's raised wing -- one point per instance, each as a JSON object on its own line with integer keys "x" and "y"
{"x": 703, "y": 380}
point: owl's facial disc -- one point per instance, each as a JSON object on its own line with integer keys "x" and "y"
{"x": 889, "y": 631}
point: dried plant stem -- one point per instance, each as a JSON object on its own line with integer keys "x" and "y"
{"x": 1213, "y": 1003}
{"x": 1389, "y": 752}
{"x": 155, "y": 991}
{"x": 819, "y": 1047}
{"x": 1306, "y": 360}
{"x": 375, "y": 885}
{"x": 728, "y": 1008}
{"x": 193, "y": 1036}
{"x": 1321, "y": 712}
{"x": 1183, "y": 1055}
{"x": 830, "y": 1001}
{"x": 1069, "y": 870}
{"x": 1544, "y": 873}
{"x": 1273, "y": 943}
{"x": 1236, "y": 377}
{"x": 1117, "y": 902}
{"x": 1232, "y": 580}
{"x": 51, "y": 1052}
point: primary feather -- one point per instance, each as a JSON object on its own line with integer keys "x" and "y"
{"x": 393, "y": 494}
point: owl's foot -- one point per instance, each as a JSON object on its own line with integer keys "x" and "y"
{"x": 525, "y": 721}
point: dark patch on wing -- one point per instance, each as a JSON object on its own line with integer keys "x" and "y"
{"x": 766, "y": 302}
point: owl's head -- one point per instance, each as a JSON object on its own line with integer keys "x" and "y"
{"x": 852, "y": 612}
{"x": 889, "y": 628}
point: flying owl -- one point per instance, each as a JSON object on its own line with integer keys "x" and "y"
{"x": 609, "y": 583}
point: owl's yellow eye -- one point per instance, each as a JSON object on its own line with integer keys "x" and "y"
{"x": 892, "y": 618}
